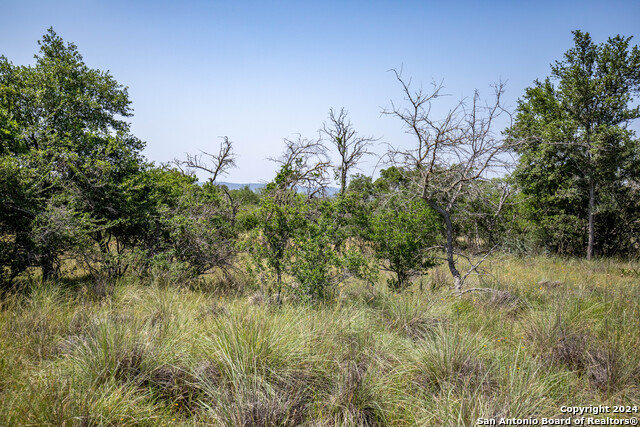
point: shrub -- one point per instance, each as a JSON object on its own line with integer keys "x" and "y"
{"x": 401, "y": 235}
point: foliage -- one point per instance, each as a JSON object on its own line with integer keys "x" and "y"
{"x": 491, "y": 217}
{"x": 402, "y": 234}
{"x": 281, "y": 212}
{"x": 20, "y": 202}
{"x": 305, "y": 237}
{"x": 323, "y": 259}
{"x": 246, "y": 196}
{"x": 579, "y": 162}
{"x": 74, "y": 182}
{"x": 201, "y": 229}
{"x": 394, "y": 179}
{"x": 68, "y": 135}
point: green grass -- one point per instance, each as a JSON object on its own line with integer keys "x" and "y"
{"x": 562, "y": 332}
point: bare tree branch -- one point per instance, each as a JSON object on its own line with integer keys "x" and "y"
{"x": 216, "y": 165}
{"x": 453, "y": 155}
{"x": 351, "y": 147}
{"x": 308, "y": 164}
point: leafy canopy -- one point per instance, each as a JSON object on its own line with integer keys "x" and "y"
{"x": 578, "y": 159}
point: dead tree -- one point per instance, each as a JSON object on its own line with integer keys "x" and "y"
{"x": 351, "y": 147}
{"x": 308, "y": 164}
{"x": 216, "y": 165}
{"x": 451, "y": 157}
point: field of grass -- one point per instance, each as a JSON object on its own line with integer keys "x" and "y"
{"x": 558, "y": 332}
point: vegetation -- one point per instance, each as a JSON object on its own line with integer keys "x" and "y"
{"x": 131, "y": 294}
{"x": 561, "y": 331}
{"x": 400, "y": 235}
{"x": 579, "y": 161}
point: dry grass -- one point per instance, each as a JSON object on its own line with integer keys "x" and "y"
{"x": 557, "y": 332}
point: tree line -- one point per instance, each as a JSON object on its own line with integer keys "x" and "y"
{"x": 562, "y": 178}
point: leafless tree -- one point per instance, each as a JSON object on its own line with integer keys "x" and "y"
{"x": 214, "y": 164}
{"x": 351, "y": 146}
{"x": 453, "y": 155}
{"x": 307, "y": 163}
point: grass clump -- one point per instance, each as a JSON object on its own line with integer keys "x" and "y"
{"x": 154, "y": 354}
{"x": 452, "y": 358}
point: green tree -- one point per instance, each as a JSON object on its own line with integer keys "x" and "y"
{"x": 324, "y": 255}
{"x": 304, "y": 236}
{"x": 281, "y": 213}
{"x": 63, "y": 103}
{"x": 201, "y": 229}
{"x": 19, "y": 201}
{"x": 578, "y": 159}
{"x": 64, "y": 125}
{"x": 361, "y": 185}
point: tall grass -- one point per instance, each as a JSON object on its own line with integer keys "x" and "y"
{"x": 562, "y": 332}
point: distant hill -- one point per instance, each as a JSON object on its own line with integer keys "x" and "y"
{"x": 233, "y": 186}
{"x": 256, "y": 186}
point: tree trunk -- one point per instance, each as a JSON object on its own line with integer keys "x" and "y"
{"x": 592, "y": 193}
{"x": 278, "y": 283}
{"x": 457, "y": 280}
{"x": 49, "y": 270}
{"x": 592, "y": 202}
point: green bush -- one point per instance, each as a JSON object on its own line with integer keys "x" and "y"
{"x": 402, "y": 233}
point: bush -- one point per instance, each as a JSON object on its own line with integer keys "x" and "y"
{"x": 401, "y": 234}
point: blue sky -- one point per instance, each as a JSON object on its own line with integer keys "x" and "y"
{"x": 262, "y": 71}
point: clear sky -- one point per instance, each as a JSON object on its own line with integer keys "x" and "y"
{"x": 262, "y": 71}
